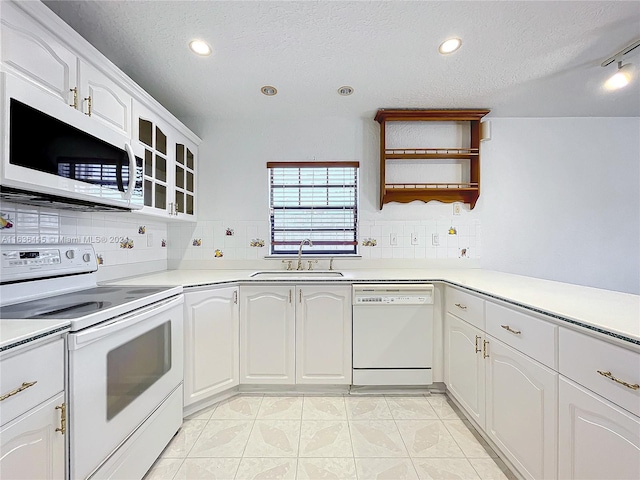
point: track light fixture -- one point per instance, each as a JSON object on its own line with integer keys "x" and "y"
{"x": 624, "y": 74}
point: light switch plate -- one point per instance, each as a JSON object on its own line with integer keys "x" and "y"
{"x": 414, "y": 239}
{"x": 149, "y": 240}
{"x": 393, "y": 239}
{"x": 435, "y": 239}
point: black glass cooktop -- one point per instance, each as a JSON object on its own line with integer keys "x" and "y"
{"x": 69, "y": 306}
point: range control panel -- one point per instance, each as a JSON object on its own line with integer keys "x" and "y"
{"x": 28, "y": 262}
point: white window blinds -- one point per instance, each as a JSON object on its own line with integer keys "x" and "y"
{"x": 314, "y": 200}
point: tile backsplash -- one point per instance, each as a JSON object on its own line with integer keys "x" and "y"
{"x": 457, "y": 237}
{"x": 129, "y": 243}
{"x": 119, "y": 239}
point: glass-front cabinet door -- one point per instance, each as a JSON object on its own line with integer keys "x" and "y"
{"x": 185, "y": 182}
{"x": 151, "y": 142}
{"x": 169, "y": 166}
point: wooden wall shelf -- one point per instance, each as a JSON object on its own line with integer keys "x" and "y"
{"x": 430, "y": 189}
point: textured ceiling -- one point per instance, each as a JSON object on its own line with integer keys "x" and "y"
{"x": 531, "y": 58}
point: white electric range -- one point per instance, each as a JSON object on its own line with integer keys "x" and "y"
{"x": 125, "y": 355}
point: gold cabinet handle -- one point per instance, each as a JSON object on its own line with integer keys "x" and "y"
{"x": 635, "y": 386}
{"x": 75, "y": 97}
{"x": 63, "y": 418}
{"x": 235, "y": 297}
{"x": 300, "y": 295}
{"x": 22, "y": 387}
{"x": 290, "y": 296}
{"x": 509, "y": 329}
{"x": 89, "y": 105}
{"x": 460, "y": 306}
{"x": 478, "y": 337}
{"x": 485, "y": 353}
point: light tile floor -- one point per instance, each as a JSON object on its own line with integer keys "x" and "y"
{"x": 329, "y": 437}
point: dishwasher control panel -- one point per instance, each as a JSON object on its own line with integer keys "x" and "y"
{"x": 398, "y": 294}
{"x": 393, "y": 299}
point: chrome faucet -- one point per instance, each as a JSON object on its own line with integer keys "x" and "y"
{"x": 308, "y": 242}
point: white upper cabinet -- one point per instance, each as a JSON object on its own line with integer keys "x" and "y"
{"x": 102, "y": 99}
{"x": 32, "y": 52}
{"x": 169, "y": 160}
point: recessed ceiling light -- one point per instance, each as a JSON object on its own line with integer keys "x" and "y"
{"x": 200, "y": 47}
{"x": 269, "y": 91}
{"x": 450, "y": 46}
{"x": 345, "y": 90}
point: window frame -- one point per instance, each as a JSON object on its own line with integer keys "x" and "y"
{"x": 350, "y": 245}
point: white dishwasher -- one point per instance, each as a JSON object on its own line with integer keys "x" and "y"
{"x": 392, "y": 334}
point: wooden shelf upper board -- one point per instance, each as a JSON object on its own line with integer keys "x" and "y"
{"x": 427, "y": 115}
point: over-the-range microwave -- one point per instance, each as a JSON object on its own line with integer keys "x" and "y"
{"x": 54, "y": 155}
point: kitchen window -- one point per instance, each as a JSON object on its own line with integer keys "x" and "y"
{"x": 316, "y": 201}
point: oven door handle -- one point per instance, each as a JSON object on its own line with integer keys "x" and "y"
{"x": 93, "y": 334}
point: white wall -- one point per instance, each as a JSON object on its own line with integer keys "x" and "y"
{"x": 233, "y": 193}
{"x": 561, "y": 200}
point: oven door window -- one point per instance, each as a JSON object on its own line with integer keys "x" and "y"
{"x": 136, "y": 365}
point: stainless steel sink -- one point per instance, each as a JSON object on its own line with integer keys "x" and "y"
{"x": 296, "y": 274}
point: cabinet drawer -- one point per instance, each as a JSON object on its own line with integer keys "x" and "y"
{"x": 44, "y": 365}
{"x": 582, "y": 357}
{"x": 531, "y": 336}
{"x": 466, "y": 307}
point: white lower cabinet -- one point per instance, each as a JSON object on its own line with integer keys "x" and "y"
{"x": 211, "y": 342}
{"x": 267, "y": 335}
{"x": 521, "y": 412}
{"x": 597, "y": 439}
{"x": 33, "y": 412}
{"x": 465, "y": 366}
{"x": 31, "y": 446}
{"x": 323, "y": 335}
{"x": 295, "y": 334}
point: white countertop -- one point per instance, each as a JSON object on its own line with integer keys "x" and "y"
{"x": 614, "y": 312}
{"x": 609, "y": 311}
{"x": 14, "y": 332}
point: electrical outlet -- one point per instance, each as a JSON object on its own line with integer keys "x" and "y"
{"x": 414, "y": 238}
{"x": 149, "y": 240}
{"x": 435, "y": 240}
{"x": 393, "y": 239}
{"x": 457, "y": 209}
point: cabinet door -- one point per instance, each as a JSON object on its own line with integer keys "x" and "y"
{"x": 29, "y": 50}
{"x": 185, "y": 179}
{"x": 464, "y": 366}
{"x": 323, "y": 335}
{"x": 521, "y": 410}
{"x": 110, "y": 104}
{"x": 212, "y": 332}
{"x": 596, "y": 439}
{"x": 30, "y": 446}
{"x": 151, "y": 143}
{"x": 267, "y": 335}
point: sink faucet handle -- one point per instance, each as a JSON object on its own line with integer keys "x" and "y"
{"x": 311, "y": 262}
{"x": 331, "y": 263}
{"x": 289, "y": 264}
